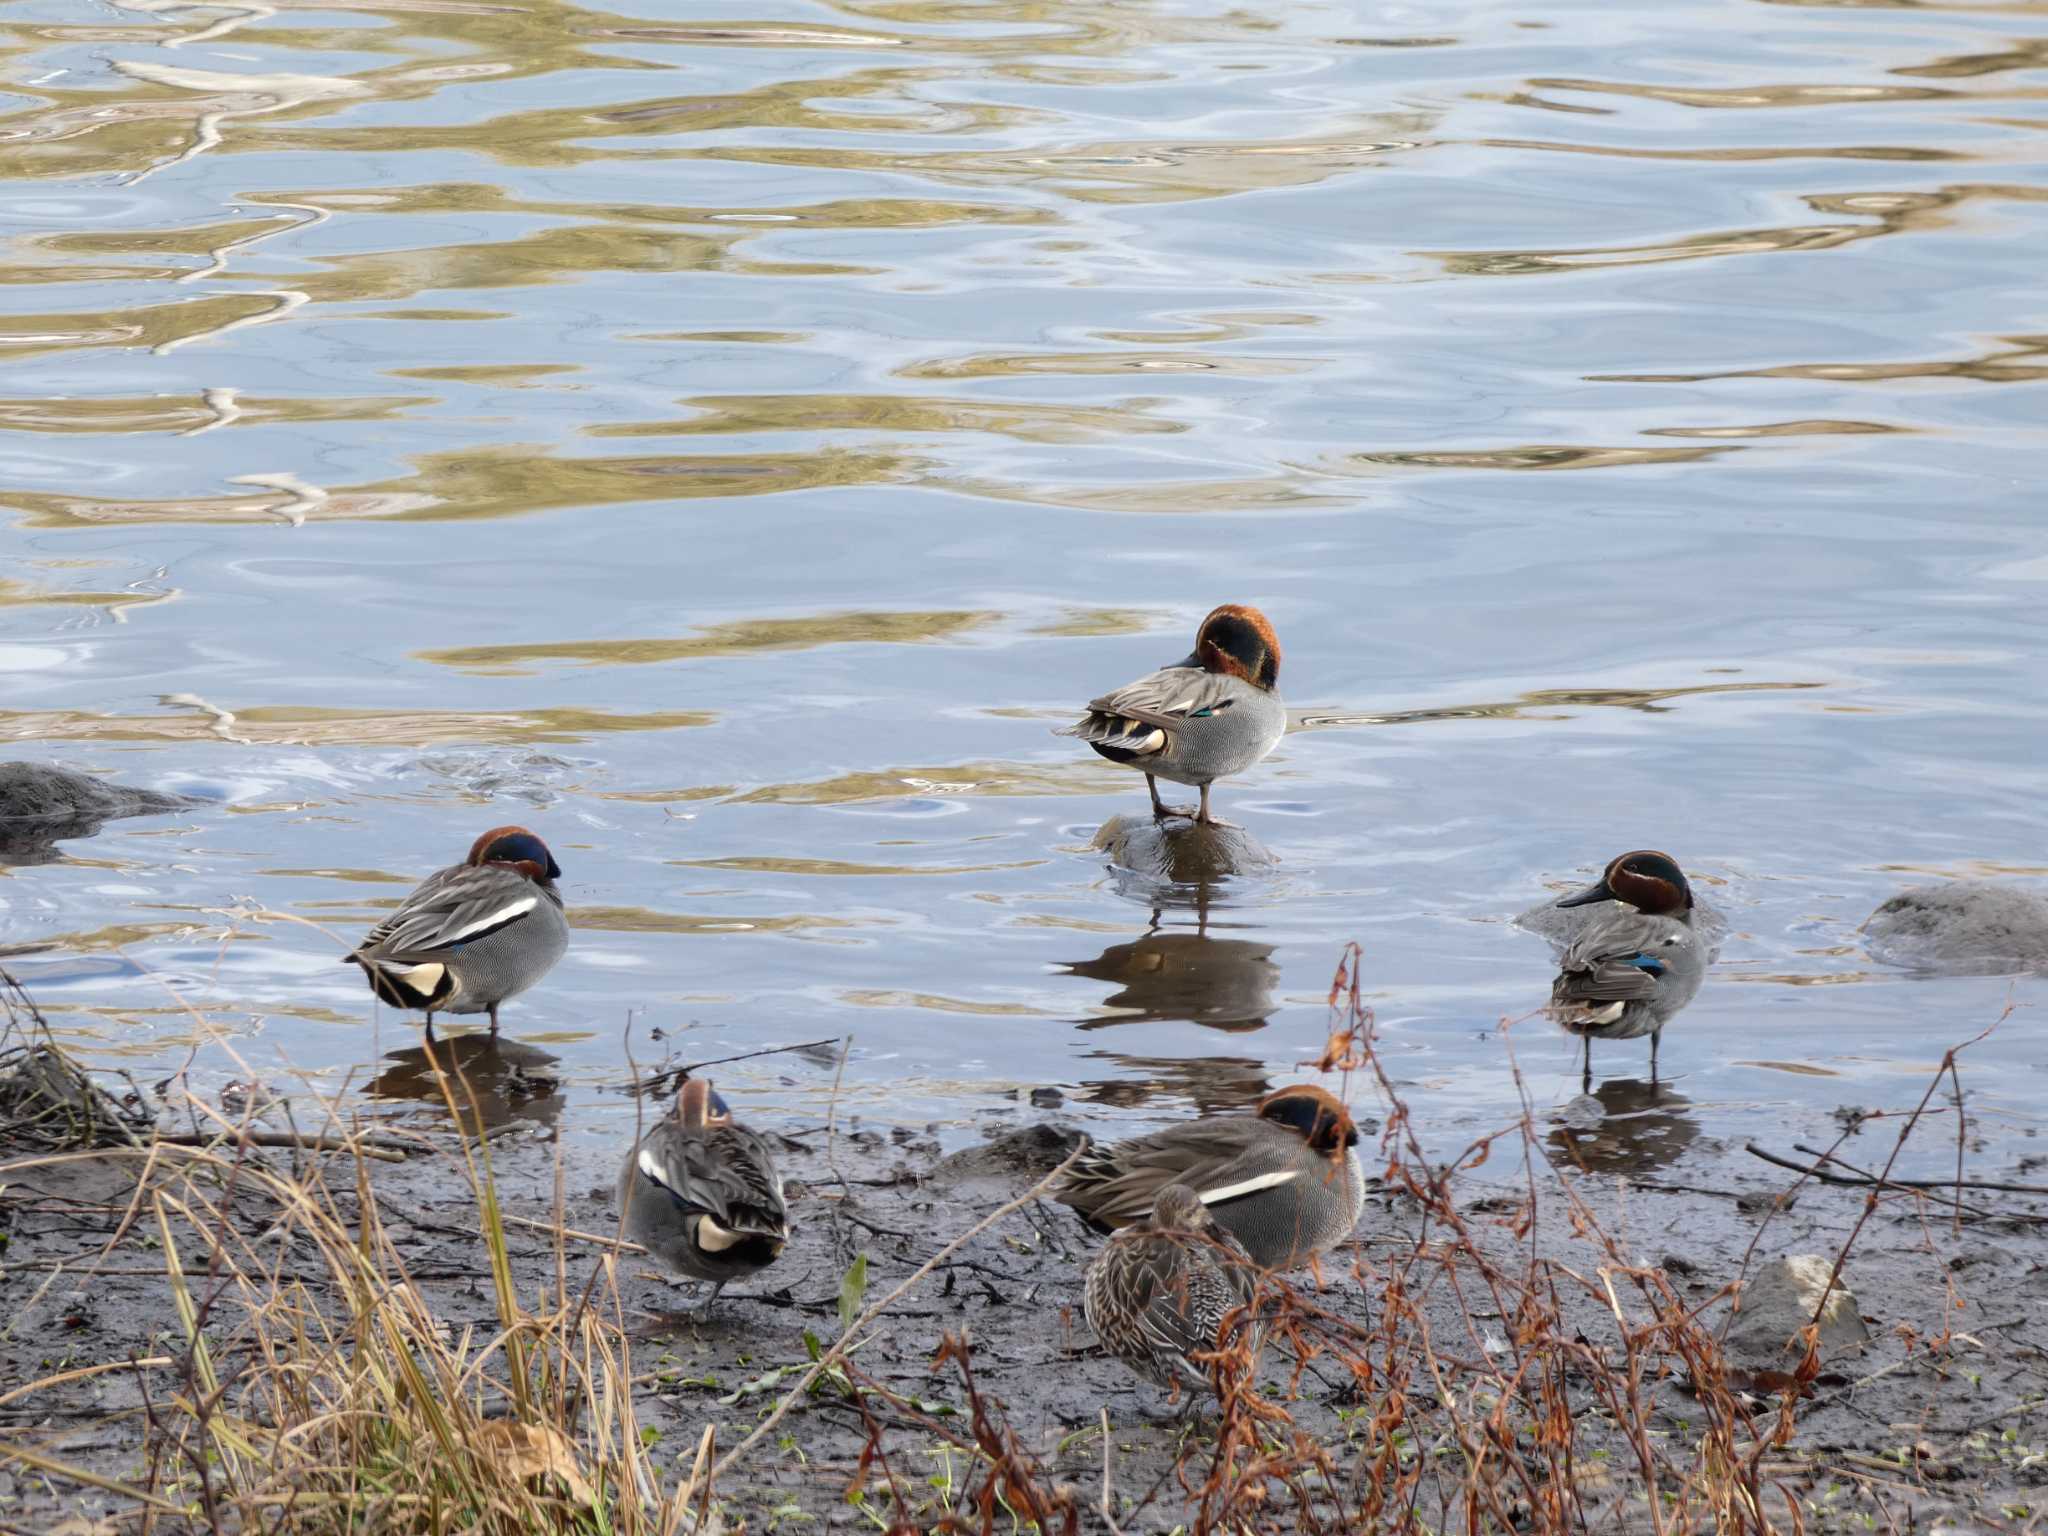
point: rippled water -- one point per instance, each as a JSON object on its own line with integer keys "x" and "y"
{"x": 729, "y": 442}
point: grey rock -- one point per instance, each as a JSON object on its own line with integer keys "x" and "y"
{"x": 1182, "y": 852}
{"x": 1018, "y": 1159}
{"x": 1761, "y": 1342}
{"x": 41, "y": 805}
{"x": 1964, "y": 928}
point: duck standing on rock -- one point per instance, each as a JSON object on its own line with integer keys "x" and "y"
{"x": 1285, "y": 1180}
{"x": 473, "y": 935}
{"x": 1211, "y": 714}
{"x": 1628, "y": 975}
{"x": 701, "y": 1193}
{"x": 1160, "y": 1294}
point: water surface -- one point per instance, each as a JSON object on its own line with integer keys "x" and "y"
{"x": 728, "y": 441}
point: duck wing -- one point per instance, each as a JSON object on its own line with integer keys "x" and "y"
{"x": 725, "y": 1172}
{"x": 453, "y": 907}
{"x": 1221, "y": 1160}
{"x": 1620, "y": 962}
{"x": 1190, "y": 1284}
{"x": 1140, "y": 716}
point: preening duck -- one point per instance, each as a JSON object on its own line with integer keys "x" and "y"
{"x": 1214, "y": 713}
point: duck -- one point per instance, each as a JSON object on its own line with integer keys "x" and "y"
{"x": 1963, "y": 928}
{"x": 472, "y": 936}
{"x": 701, "y": 1193}
{"x": 1629, "y": 973}
{"x": 1213, "y": 713}
{"x": 1161, "y": 1293}
{"x": 1284, "y": 1180}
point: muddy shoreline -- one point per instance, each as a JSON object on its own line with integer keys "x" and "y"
{"x": 1938, "y": 1417}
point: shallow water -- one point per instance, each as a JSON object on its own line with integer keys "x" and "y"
{"x": 729, "y": 442}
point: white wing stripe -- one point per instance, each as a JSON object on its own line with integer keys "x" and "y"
{"x": 650, "y": 1169}
{"x": 491, "y": 920}
{"x": 1249, "y": 1186}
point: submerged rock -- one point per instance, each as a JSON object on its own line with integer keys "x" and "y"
{"x": 1020, "y": 1158}
{"x": 42, "y": 805}
{"x": 1181, "y": 851}
{"x": 1762, "y": 1341}
{"x": 1965, "y": 928}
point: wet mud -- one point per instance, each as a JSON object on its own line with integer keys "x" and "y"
{"x": 1939, "y": 1415}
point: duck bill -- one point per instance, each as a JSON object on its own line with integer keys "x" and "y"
{"x": 1192, "y": 659}
{"x": 1597, "y": 891}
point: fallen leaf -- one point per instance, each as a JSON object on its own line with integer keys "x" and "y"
{"x": 527, "y": 1451}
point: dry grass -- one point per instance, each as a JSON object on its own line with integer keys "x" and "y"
{"x": 313, "y": 1391}
{"x": 1486, "y": 1382}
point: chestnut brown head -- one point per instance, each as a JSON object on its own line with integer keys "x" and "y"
{"x": 1238, "y": 640}
{"x": 518, "y": 849}
{"x": 698, "y": 1105}
{"x": 1649, "y": 881}
{"x": 1314, "y": 1114}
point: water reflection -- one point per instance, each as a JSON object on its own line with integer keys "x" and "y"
{"x": 1171, "y": 974}
{"x": 1213, "y": 1084}
{"x": 1642, "y": 1125}
{"x": 504, "y": 1080}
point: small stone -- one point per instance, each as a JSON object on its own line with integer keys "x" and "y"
{"x": 1047, "y": 1098}
{"x": 1583, "y": 1113}
{"x": 1778, "y": 1301}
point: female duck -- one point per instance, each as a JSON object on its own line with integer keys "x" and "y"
{"x": 1160, "y": 1294}
{"x": 1211, "y": 714}
{"x": 701, "y": 1193}
{"x": 1285, "y": 1180}
{"x": 473, "y": 935}
{"x": 1628, "y": 975}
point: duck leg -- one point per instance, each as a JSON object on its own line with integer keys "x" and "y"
{"x": 1586, "y": 1073}
{"x": 430, "y": 1028}
{"x": 1202, "y": 817}
{"x": 493, "y": 1012}
{"x": 705, "y": 1310}
{"x": 1655, "y": 1036}
{"x": 1161, "y": 811}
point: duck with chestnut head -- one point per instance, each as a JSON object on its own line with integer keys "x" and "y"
{"x": 1628, "y": 974}
{"x": 701, "y": 1193}
{"x": 471, "y": 936}
{"x": 1214, "y": 713}
{"x": 1284, "y": 1180}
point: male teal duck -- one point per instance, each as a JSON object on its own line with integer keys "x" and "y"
{"x": 701, "y": 1193}
{"x": 1285, "y": 1180}
{"x": 472, "y": 936}
{"x": 1160, "y": 1294}
{"x": 1213, "y": 713}
{"x": 1627, "y": 975}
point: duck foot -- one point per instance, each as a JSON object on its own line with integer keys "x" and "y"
{"x": 663, "y": 1324}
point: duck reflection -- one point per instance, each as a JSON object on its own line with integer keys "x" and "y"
{"x": 1213, "y": 1084}
{"x": 1172, "y": 974}
{"x": 1177, "y": 974}
{"x": 510, "y": 1082}
{"x": 1643, "y": 1125}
